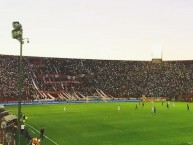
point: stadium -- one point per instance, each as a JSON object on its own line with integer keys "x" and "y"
{"x": 96, "y": 73}
{"x": 91, "y": 91}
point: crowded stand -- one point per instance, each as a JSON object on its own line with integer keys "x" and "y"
{"x": 82, "y": 79}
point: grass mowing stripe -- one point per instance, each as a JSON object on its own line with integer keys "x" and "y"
{"x": 44, "y": 135}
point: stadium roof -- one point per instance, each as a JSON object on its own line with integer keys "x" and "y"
{"x": 9, "y": 117}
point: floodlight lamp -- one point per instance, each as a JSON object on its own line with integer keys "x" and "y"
{"x": 16, "y": 34}
{"x": 27, "y": 40}
{"x": 16, "y": 26}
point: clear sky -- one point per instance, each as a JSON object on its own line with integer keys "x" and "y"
{"x": 100, "y": 29}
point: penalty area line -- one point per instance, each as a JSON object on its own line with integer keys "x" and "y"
{"x": 44, "y": 135}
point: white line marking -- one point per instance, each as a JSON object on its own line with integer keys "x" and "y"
{"x": 44, "y": 135}
{"x": 32, "y": 131}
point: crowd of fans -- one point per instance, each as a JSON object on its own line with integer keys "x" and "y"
{"x": 9, "y": 75}
{"x": 114, "y": 78}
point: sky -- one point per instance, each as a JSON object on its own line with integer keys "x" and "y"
{"x": 100, "y": 29}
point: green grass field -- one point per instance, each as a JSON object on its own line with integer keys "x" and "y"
{"x": 103, "y": 124}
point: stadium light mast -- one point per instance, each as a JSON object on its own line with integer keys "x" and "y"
{"x": 17, "y": 33}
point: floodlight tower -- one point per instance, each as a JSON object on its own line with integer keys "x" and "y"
{"x": 17, "y": 33}
{"x": 157, "y": 55}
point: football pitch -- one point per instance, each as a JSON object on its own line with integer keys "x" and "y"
{"x": 103, "y": 124}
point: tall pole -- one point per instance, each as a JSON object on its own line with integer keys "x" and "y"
{"x": 17, "y": 33}
{"x": 20, "y": 93}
